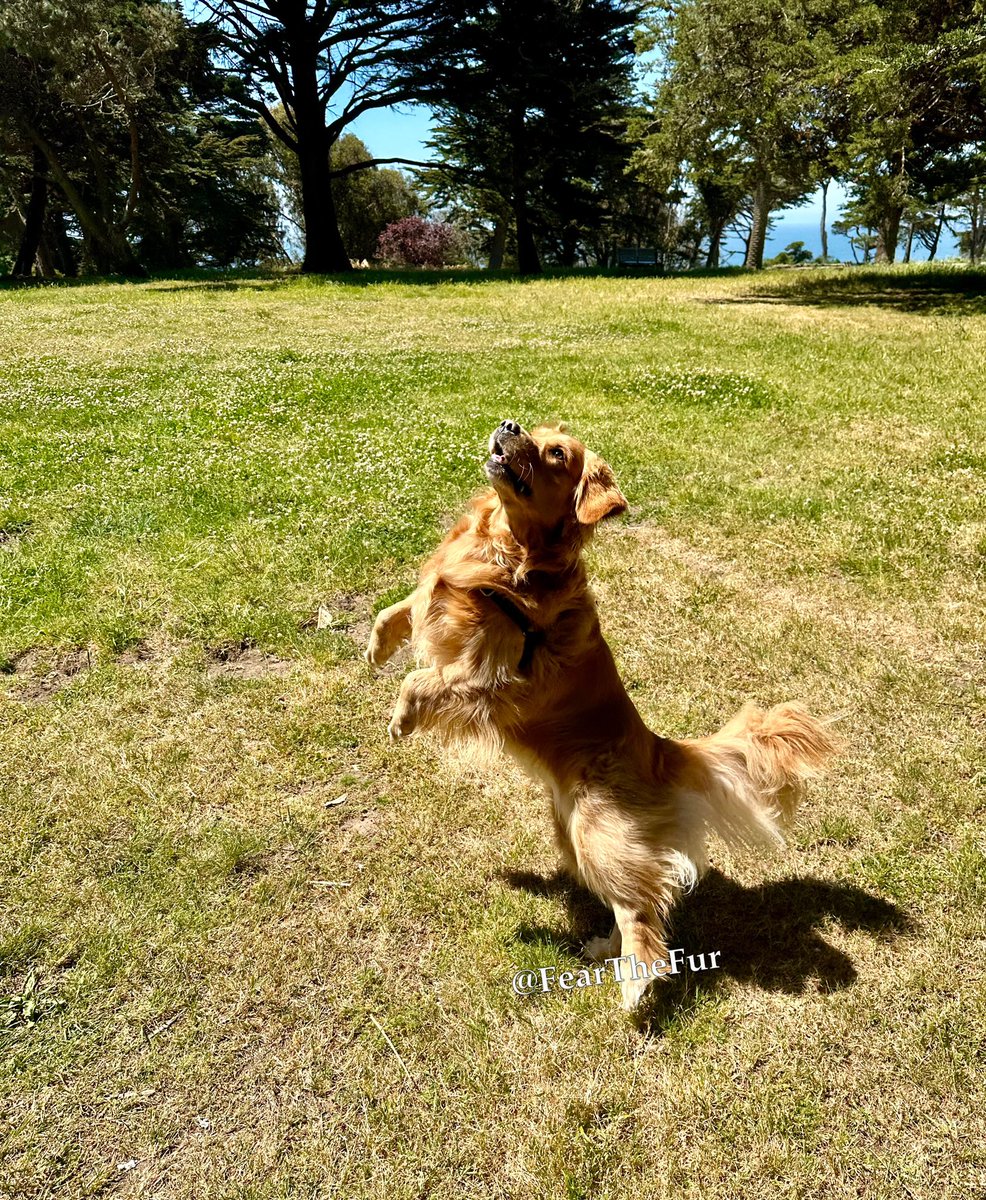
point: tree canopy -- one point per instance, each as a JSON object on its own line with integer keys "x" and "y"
{"x": 138, "y": 136}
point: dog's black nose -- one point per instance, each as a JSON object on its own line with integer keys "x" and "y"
{"x": 510, "y": 427}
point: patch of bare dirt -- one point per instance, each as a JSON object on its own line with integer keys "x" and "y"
{"x": 243, "y": 660}
{"x": 139, "y": 654}
{"x": 344, "y": 612}
{"x": 364, "y": 824}
{"x": 41, "y": 671}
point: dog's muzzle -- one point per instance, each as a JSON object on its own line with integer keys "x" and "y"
{"x": 503, "y": 445}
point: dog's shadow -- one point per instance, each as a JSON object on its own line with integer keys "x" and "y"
{"x": 768, "y": 935}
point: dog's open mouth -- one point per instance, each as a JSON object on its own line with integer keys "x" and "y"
{"x": 498, "y": 467}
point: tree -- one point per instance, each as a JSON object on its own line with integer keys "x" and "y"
{"x": 415, "y": 242}
{"x": 131, "y": 149}
{"x": 75, "y": 75}
{"x": 855, "y": 228}
{"x": 740, "y": 82}
{"x": 794, "y": 254}
{"x": 968, "y": 222}
{"x": 910, "y": 80}
{"x": 311, "y": 68}
{"x": 366, "y": 201}
{"x": 214, "y": 203}
{"x": 678, "y": 150}
{"x": 531, "y": 99}
{"x": 22, "y": 171}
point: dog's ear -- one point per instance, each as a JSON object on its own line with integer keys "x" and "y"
{"x": 598, "y": 494}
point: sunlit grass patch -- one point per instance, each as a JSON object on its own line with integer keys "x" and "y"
{"x": 248, "y": 948}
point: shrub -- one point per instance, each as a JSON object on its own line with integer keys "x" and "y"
{"x": 793, "y": 255}
{"x": 415, "y": 242}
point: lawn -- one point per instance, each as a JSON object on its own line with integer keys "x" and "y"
{"x": 250, "y": 949}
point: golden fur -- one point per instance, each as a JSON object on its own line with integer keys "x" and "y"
{"x": 631, "y": 810}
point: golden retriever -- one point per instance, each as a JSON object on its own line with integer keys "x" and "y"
{"x": 505, "y": 627}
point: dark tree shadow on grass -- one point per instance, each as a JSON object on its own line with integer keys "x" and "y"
{"x": 272, "y": 280}
{"x": 957, "y": 291}
{"x": 768, "y": 935}
{"x": 954, "y": 291}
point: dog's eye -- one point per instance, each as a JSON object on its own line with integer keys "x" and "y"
{"x": 556, "y": 452}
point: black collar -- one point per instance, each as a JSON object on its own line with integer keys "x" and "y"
{"x": 532, "y": 635}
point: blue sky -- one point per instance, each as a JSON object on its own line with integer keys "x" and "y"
{"x": 402, "y": 132}
{"x": 395, "y": 132}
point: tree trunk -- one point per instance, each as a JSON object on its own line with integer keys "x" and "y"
{"x": 528, "y": 259}
{"x": 325, "y": 252}
{"x": 933, "y": 248}
{"x": 887, "y": 234}
{"x": 110, "y": 249}
{"x": 910, "y": 242}
{"x": 498, "y": 245}
{"x": 715, "y": 245}
{"x": 569, "y": 247}
{"x": 58, "y": 245}
{"x": 758, "y": 230}
{"x": 825, "y": 224}
{"x": 30, "y": 244}
{"x": 46, "y": 263}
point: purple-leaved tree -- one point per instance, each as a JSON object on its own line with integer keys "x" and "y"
{"x": 415, "y": 242}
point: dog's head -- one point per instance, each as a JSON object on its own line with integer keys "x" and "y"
{"x": 546, "y": 478}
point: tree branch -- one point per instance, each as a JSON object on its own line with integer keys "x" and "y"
{"x": 369, "y": 163}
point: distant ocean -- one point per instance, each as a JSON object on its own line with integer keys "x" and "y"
{"x": 791, "y": 230}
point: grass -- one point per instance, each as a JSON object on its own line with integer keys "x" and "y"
{"x": 219, "y": 980}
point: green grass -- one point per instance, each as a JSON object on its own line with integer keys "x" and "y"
{"x": 190, "y": 1004}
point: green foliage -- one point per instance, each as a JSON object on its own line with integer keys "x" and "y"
{"x": 144, "y": 149}
{"x": 909, "y": 85}
{"x": 532, "y": 106}
{"x": 766, "y": 100}
{"x": 738, "y": 103}
{"x": 29, "y": 1004}
{"x": 793, "y": 254}
{"x": 365, "y": 201}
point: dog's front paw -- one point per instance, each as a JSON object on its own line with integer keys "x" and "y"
{"x": 376, "y": 652}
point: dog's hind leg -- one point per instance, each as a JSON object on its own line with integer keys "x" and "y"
{"x": 642, "y": 934}
{"x": 626, "y": 874}
{"x": 601, "y": 948}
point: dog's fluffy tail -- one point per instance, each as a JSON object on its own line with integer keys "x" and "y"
{"x": 758, "y": 764}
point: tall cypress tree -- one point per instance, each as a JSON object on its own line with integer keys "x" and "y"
{"x": 531, "y": 98}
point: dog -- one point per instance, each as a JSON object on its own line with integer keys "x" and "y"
{"x": 506, "y": 631}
